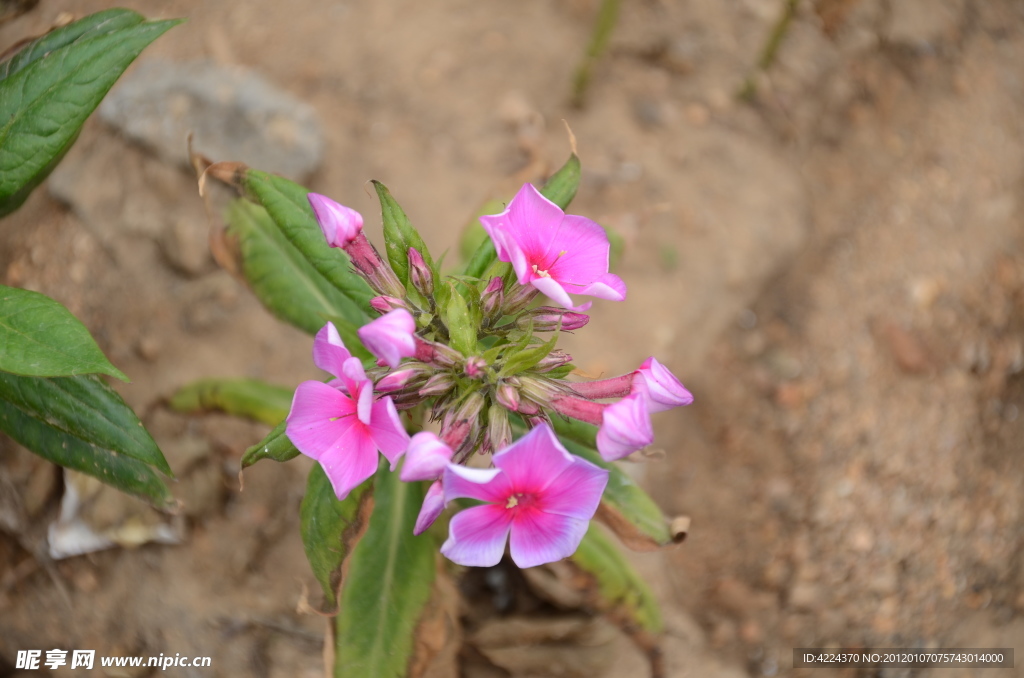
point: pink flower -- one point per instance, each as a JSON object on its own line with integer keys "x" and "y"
{"x": 390, "y": 337}
{"x": 426, "y": 458}
{"x": 555, "y": 252}
{"x": 340, "y": 224}
{"x": 663, "y": 390}
{"x": 626, "y": 427}
{"x": 539, "y": 493}
{"x": 340, "y": 424}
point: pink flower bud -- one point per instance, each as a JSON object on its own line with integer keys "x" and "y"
{"x": 507, "y": 396}
{"x": 518, "y": 298}
{"x": 383, "y": 304}
{"x": 475, "y": 367}
{"x": 433, "y": 504}
{"x": 626, "y": 427}
{"x": 549, "y": 319}
{"x": 398, "y": 379}
{"x": 663, "y": 390}
{"x": 390, "y": 337}
{"x": 426, "y": 458}
{"x": 556, "y": 358}
{"x": 493, "y": 297}
{"x": 438, "y": 384}
{"x": 420, "y": 275}
{"x": 499, "y": 431}
{"x": 339, "y": 224}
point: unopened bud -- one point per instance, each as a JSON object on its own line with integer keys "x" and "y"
{"x": 384, "y": 304}
{"x": 552, "y": 360}
{"x": 518, "y": 298}
{"x": 549, "y": 319}
{"x": 436, "y": 354}
{"x": 475, "y": 367}
{"x": 398, "y": 379}
{"x": 539, "y": 389}
{"x": 499, "y": 431}
{"x": 420, "y": 275}
{"x": 507, "y": 396}
{"x": 493, "y": 297}
{"x": 437, "y": 384}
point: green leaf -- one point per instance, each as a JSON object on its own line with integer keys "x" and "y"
{"x": 276, "y": 446}
{"x": 249, "y": 398}
{"x": 560, "y": 189}
{"x": 40, "y": 338}
{"x": 78, "y": 422}
{"x": 86, "y": 408}
{"x": 618, "y": 584}
{"x": 399, "y": 236}
{"x": 50, "y": 88}
{"x": 461, "y": 328}
{"x": 280, "y": 275}
{"x": 625, "y": 508}
{"x": 287, "y": 204}
{"x": 525, "y": 359}
{"x": 329, "y": 527}
{"x": 386, "y": 587}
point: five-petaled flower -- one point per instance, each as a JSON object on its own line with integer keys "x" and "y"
{"x": 555, "y": 252}
{"x": 538, "y": 492}
{"x": 340, "y": 424}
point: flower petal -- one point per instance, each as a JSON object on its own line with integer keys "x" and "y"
{"x": 554, "y": 291}
{"x": 433, "y": 504}
{"x": 329, "y": 352}
{"x": 539, "y": 537}
{"x": 488, "y": 484}
{"x": 578, "y": 251}
{"x": 576, "y": 492}
{"x": 626, "y": 428}
{"x": 664, "y": 391}
{"x": 352, "y": 460}
{"x": 606, "y": 286}
{"x": 477, "y": 535}
{"x": 340, "y": 224}
{"x": 387, "y": 431}
{"x": 534, "y": 461}
{"x": 426, "y": 457}
{"x": 390, "y": 337}
{"x": 319, "y": 417}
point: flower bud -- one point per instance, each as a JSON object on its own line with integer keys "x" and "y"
{"x": 475, "y": 367}
{"x": 507, "y": 396}
{"x": 340, "y": 224}
{"x": 499, "y": 431}
{"x": 540, "y": 389}
{"x": 493, "y": 297}
{"x": 518, "y": 298}
{"x": 552, "y": 360}
{"x": 420, "y": 275}
{"x": 434, "y": 353}
{"x": 549, "y": 319}
{"x": 383, "y": 304}
{"x": 663, "y": 390}
{"x": 433, "y": 505}
{"x": 426, "y": 458}
{"x": 398, "y": 379}
{"x": 438, "y": 384}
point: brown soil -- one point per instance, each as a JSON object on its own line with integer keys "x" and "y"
{"x": 836, "y": 270}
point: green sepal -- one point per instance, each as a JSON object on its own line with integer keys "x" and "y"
{"x": 387, "y": 585}
{"x": 249, "y": 398}
{"x": 399, "y": 236}
{"x": 49, "y": 88}
{"x": 276, "y": 445}
{"x": 461, "y": 328}
{"x": 41, "y": 338}
{"x": 329, "y": 527}
{"x": 82, "y": 424}
{"x": 618, "y": 584}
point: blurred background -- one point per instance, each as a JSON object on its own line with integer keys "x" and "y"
{"x": 821, "y": 208}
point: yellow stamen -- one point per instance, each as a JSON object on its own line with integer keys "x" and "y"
{"x": 512, "y": 502}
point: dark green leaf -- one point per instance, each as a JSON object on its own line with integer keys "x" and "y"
{"x": 48, "y": 434}
{"x": 618, "y": 584}
{"x": 40, "y": 338}
{"x": 249, "y": 398}
{"x": 329, "y": 527}
{"x": 560, "y": 189}
{"x": 283, "y": 279}
{"x": 275, "y": 446}
{"x": 286, "y": 203}
{"x": 461, "y": 329}
{"x": 86, "y": 408}
{"x": 625, "y": 508}
{"x": 53, "y": 85}
{"x": 386, "y": 587}
{"x": 399, "y": 236}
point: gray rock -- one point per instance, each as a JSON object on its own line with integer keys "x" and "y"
{"x": 233, "y": 113}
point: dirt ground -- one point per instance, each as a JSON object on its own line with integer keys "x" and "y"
{"x": 835, "y": 269}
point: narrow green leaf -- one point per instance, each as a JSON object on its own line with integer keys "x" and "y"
{"x": 48, "y": 439}
{"x": 399, "y": 236}
{"x": 86, "y": 408}
{"x": 53, "y": 85}
{"x": 461, "y": 329}
{"x": 329, "y": 527}
{"x": 40, "y": 338}
{"x": 618, "y": 584}
{"x": 386, "y": 587}
{"x": 527, "y": 358}
{"x": 276, "y": 446}
{"x": 283, "y": 279}
{"x": 249, "y": 398}
{"x": 627, "y": 509}
{"x": 560, "y": 189}
{"x": 286, "y": 203}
